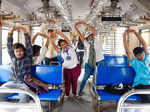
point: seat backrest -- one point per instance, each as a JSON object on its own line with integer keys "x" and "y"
{"x": 49, "y": 74}
{"x": 114, "y": 75}
{"x": 116, "y": 60}
{"x": 4, "y": 73}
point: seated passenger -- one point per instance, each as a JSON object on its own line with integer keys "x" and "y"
{"x": 21, "y": 63}
{"x": 38, "y": 56}
{"x": 38, "y": 52}
{"x": 140, "y": 63}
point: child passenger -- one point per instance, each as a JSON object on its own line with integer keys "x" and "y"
{"x": 71, "y": 65}
{"x": 140, "y": 63}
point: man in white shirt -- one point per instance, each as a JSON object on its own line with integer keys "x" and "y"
{"x": 51, "y": 55}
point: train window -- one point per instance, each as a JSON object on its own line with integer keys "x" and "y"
{"x": 145, "y": 33}
{"x": 5, "y": 54}
{"x": 113, "y": 43}
{"x": 119, "y": 48}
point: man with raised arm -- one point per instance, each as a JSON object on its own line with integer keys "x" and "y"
{"x": 93, "y": 53}
{"x": 140, "y": 63}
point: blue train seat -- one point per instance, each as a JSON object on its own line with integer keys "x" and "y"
{"x": 116, "y": 74}
{"x": 4, "y": 73}
{"x": 116, "y": 60}
{"x": 115, "y": 71}
{"x": 48, "y": 74}
{"x": 51, "y": 75}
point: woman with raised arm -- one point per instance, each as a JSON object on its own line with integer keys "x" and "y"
{"x": 140, "y": 63}
{"x": 93, "y": 53}
{"x": 70, "y": 64}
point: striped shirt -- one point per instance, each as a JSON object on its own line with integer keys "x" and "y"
{"x": 20, "y": 66}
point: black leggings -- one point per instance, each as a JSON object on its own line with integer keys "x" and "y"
{"x": 80, "y": 57}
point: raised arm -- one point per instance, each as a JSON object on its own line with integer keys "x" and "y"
{"x": 10, "y": 42}
{"x": 27, "y": 40}
{"x": 79, "y": 33}
{"x": 55, "y": 46}
{"x": 142, "y": 41}
{"x": 43, "y": 35}
{"x": 42, "y": 53}
{"x": 34, "y": 38}
{"x": 64, "y": 36}
{"x": 128, "y": 52}
{"x": 89, "y": 27}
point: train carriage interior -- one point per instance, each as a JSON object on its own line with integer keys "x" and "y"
{"x": 110, "y": 19}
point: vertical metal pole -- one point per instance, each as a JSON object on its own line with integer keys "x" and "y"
{"x": 0, "y": 39}
{"x": 0, "y": 45}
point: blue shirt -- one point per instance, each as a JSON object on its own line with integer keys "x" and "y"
{"x": 142, "y": 69}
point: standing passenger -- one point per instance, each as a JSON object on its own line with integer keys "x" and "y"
{"x": 71, "y": 66}
{"x": 93, "y": 53}
{"x": 51, "y": 55}
{"x": 79, "y": 47}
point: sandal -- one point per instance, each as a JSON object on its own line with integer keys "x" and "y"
{"x": 77, "y": 97}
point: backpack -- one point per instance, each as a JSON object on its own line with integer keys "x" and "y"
{"x": 80, "y": 44}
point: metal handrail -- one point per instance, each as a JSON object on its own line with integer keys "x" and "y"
{"x": 121, "y": 102}
{"x": 30, "y": 93}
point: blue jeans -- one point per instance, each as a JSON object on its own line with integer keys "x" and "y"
{"x": 88, "y": 71}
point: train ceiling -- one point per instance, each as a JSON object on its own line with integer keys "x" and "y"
{"x": 67, "y": 12}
